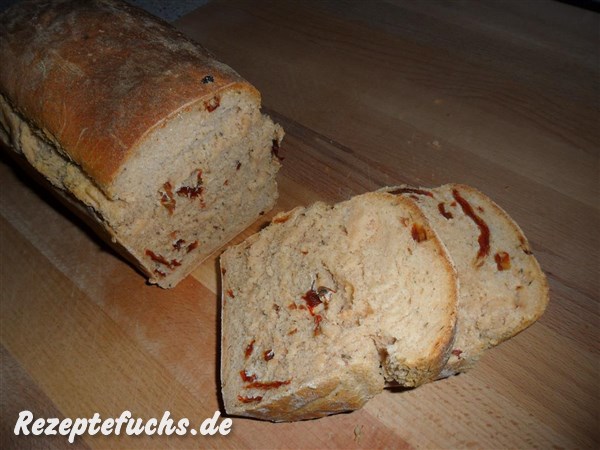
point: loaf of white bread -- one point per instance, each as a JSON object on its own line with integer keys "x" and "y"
{"x": 328, "y": 304}
{"x": 159, "y": 146}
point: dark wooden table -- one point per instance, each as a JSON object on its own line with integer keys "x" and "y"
{"x": 501, "y": 95}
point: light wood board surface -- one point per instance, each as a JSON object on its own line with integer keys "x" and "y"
{"x": 500, "y": 95}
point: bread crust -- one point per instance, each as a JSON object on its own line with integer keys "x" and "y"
{"x": 97, "y": 92}
{"x": 429, "y": 367}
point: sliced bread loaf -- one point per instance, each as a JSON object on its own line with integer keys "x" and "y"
{"x": 502, "y": 287}
{"x": 157, "y": 143}
{"x": 328, "y": 303}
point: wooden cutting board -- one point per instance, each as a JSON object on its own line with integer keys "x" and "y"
{"x": 500, "y": 95}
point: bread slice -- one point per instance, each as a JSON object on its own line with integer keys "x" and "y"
{"x": 162, "y": 146}
{"x": 502, "y": 287}
{"x": 326, "y": 304}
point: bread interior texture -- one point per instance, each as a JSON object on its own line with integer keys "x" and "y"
{"x": 191, "y": 183}
{"x": 327, "y": 304}
{"x": 502, "y": 287}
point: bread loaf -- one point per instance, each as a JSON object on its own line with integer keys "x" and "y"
{"x": 502, "y": 288}
{"x": 328, "y": 303}
{"x": 162, "y": 146}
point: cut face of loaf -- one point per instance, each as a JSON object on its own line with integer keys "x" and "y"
{"x": 159, "y": 144}
{"x": 502, "y": 288}
{"x": 328, "y": 303}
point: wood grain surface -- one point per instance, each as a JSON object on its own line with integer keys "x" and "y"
{"x": 501, "y": 95}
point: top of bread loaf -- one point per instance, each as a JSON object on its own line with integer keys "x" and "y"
{"x": 327, "y": 302}
{"x": 140, "y": 78}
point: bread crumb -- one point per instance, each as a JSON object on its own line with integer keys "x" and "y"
{"x": 358, "y": 433}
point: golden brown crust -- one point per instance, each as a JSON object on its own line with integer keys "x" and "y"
{"x": 97, "y": 91}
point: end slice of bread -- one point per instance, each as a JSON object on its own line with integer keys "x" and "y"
{"x": 328, "y": 303}
{"x": 502, "y": 287}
